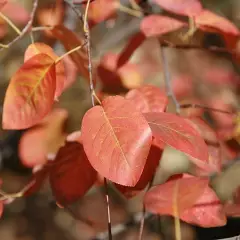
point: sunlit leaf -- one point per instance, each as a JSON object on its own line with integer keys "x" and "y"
{"x": 156, "y": 25}
{"x": 30, "y": 94}
{"x": 181, "y": 192}
{"x": 117, "y": 140}
{"x": 179, "y": 134}
{"x": 151, "y": 165}
{"x": 71, "y": 174}
{"x": 181, "y": 7}
{"x": 44, "y": 139}
{"x": 207, "y": 19}
{"x": 148, "y": 98}
{"x": 37, "y": 48}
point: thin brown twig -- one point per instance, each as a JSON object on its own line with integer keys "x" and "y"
{"x": 167, "y": 79}
{"x": 26, "y": 28}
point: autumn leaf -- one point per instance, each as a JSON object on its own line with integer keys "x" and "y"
{"x": 183, "y": 192}
{"x": 2, "y": 3}
{"x": 44, "y": 139}
{"x": 207, "y": 20}
{"x": 117, "y": 140}
{"x": 156, "y": 25}
{"x": 213, "y": 144}
{"x": 70, "y": 41}
{"x": 71, "y": 174}
{"x": 11, "y": 8}
{"x": 128, "y": 51}
{"x": 181, "y": 7}
{"x": 37, "y": 48}
{"x": 206, "y": 212}
{"x": 51, "y": 16}
{"x": 176, "y": 132}
{"x": 150, "y": 168}
{"x": 30, "y": 94}
{"x": 148, "y": 98}
{"x": 102, "y": 10}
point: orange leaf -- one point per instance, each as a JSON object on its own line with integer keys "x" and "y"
{"x": 117, "y": 140}
{"x": 30, "y": 94}
{"x": 156, "y": 25}
{"x": 37, "y": 48}
{"x": 71, "y": 174}
{"x": 46, "y": 138}
{"x": 207, "y": 20}
{"x": 181, "y": 7}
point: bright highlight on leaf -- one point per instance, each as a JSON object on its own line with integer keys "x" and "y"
{"x": 179, "y": 134}
{"x": 181, "y": 7}
{"x": 116, "y": 139}
{"x": 156, "y": 25}
{"x": 30, "y": 94}
{"x": 39, "y": 47}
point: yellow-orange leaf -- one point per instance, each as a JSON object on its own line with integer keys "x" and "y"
{"x": 30, "y": 94}
{"x": 37, "y": 48}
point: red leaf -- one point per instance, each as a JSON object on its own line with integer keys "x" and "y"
{"x": 132, "y": 45}
{"x": 117, "y": 140}
{"x": 2, "y": 3}
{"x": 206, "y": 212}
{"x": 39, "y": 47}
{"x": 212, "y": 141}
{"x": 181, "y": 193}
{"x": 38, "y": 179}
{"x": 30, "y": 94}
{"x": 70, "y": 40}
{"x": 156, "y": 25}
{"x": 44, "y": 139}
{"x": 151, "y": 165}
{"x": 207, "y": 19}
{"x": 179, "y": 134}
{"x": 71, "y": 174}
{"x": 148, "y": 99}
{"x": 11, "y": 8}
{"x": 181, "y": 7}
